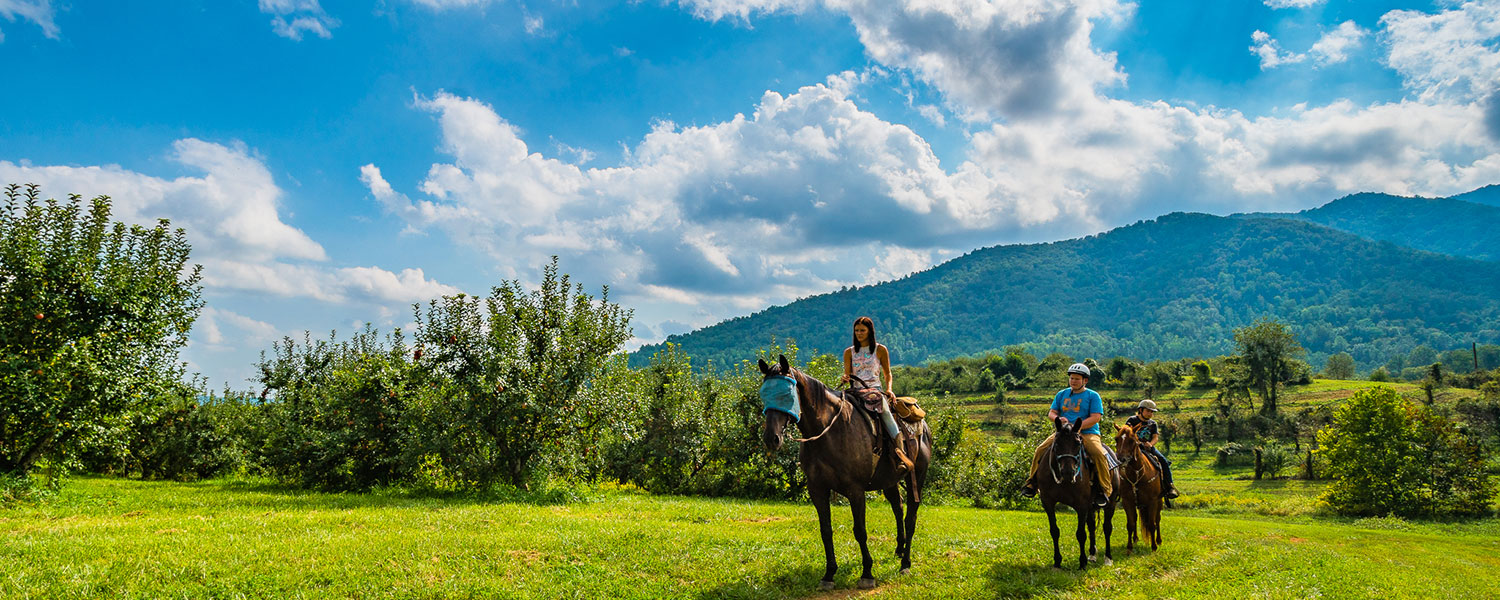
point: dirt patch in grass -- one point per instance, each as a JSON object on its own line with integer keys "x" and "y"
{"x": 766, "y": 519}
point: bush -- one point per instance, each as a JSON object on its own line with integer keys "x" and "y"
{"x": 986, "y": 471}
{"x": 340, "y": 419}
{"x": 1389, "y": 456}
{"x": 1202, "y": 376}
{"x": 1275, "y": 458}
{"x": 698, "y": 432}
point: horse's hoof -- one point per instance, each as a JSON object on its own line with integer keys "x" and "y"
{"x": 1093, "y": 557}
{"x": 825, "y": 585}
{"x": 1056, "y": 568}
{"x": 1107, "y": 562}
{"x": 906, "y": 571}
{"x": 866, "y": 583}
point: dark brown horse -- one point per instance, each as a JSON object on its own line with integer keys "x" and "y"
{"x": 837, "y": 454}
{"x": 1140, "y": 490}
{"x": 1065, "y": 480}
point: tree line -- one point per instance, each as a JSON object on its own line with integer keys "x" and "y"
{"x": 520, "y": 389}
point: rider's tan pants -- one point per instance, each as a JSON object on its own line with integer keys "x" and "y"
{"x": 1095, "y": 448}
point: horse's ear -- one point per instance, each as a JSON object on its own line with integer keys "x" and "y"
{"x": 1057, "y": 424}
{"x": 785, "y": 368}
{"x": 765, "y": 369}
{"x": 1078, "y": 425}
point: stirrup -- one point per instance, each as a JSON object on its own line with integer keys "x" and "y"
{"x": 1171, "y": 493}
{"x": 1100, "y": 499}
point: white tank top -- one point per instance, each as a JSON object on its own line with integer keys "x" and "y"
{"x": 866, "y": 366}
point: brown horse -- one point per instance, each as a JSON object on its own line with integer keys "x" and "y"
{"x": 1068, "y": 481}
{"x": 1141, "y": 489}
{"x": 837, "y": 455}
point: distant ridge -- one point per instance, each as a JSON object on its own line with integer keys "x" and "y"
{"x": 1172, "y": 287}
{"x": 1489, "y": 194}
{"x": 1444, "y": 225}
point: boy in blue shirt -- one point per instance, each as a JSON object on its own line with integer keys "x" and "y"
{"x": 1072, "y": 403}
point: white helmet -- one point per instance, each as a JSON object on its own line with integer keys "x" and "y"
{"x": 1079, "y": 368}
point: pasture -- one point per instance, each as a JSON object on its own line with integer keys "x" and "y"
{"x": 245, "y": 539}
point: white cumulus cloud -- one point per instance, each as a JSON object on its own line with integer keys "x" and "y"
{"x": 36, "y": 11}
{"x": 292, "y": 18}
{"x": 1280, "y": 4}
{"x": 1452, "y": 55}
{"x": 232, "y": 214}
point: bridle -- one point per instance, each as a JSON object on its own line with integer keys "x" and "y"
{"x": 1077, "y": 461}
{"x": 803, "y": 398}
{"x": 1133, "y": 457}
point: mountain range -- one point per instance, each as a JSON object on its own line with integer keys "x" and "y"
{"x": 1369, "y": 274}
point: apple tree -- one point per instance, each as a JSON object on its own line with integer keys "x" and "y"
{"x": 92, "y": 315}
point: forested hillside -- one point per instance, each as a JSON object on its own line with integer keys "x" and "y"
{"x": 1442, "y": 225}
{"x": 1489, "y": 194}
{"x": 1168, "y": 288}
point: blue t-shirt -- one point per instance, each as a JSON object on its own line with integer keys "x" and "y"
{"x": 1079, "y": 406}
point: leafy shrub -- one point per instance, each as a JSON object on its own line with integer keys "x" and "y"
{"x": 1275, "y": 458}
{"x": 1389, "y": 456}
{"x": 1202, "y": 376}
{"x": 987, "y": 471}
{"x": 698, "y": 432}
{"x": 339, "y": 417}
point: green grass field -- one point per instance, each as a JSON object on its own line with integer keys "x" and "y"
{"x": 1229, "y": 537}
{"x": 103, "y": 537}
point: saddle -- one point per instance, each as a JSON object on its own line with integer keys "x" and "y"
{"x": 868, "y": 403}
{"x": 905, "y": 409}
{"x": 1109, "y": 458}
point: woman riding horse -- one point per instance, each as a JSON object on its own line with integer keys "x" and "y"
{"x": 836, "y": 455}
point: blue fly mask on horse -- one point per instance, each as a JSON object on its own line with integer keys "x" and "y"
{"x": 780, "y": 394}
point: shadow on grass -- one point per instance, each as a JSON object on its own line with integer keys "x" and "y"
{"x": 1036, "y": 578}
{"x": 265, "y": 492}
{"x": 798, "y": 582}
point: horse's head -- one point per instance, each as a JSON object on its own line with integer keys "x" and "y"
{"x": 1067, "y": 449}
{"x": 778, "y": 397}
{"x": 1125, "y": 445}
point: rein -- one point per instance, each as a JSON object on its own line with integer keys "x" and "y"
{"x": 825, "y": 431}
{"x": 1139, "y": 457}
{"x": 835, "y": 419}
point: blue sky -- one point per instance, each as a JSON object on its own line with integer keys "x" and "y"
{"x": 336, "y": 161}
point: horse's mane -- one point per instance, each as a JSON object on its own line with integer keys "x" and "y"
{"x": 815, "y": 386}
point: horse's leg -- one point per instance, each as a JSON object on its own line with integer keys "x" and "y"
{"x": 857, "y": 507}
{"x": 1127, "y": 500}
{"x": 1085, "y": 528}
{"x": 820, "y": 500}
{"x": 1051, "y": 508}
{"x": 1155, "y": 534}
{"x": 1158, "y": 522}
{"x": 893, "y": 495}
{"x": 913, "y": 502}
{"x": 1109, "y": 527}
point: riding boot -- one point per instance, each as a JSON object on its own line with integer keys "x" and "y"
{"x": 1028, "y": 489}
{"x": 903, "y": 464}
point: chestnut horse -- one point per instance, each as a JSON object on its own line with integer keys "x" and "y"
{"x": 837, "y": 455}
{"x": 1141, "y": 489}
{"x": 1067, "y": 481}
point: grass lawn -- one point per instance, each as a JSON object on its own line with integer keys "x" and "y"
{"x": 104, "y": 537}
